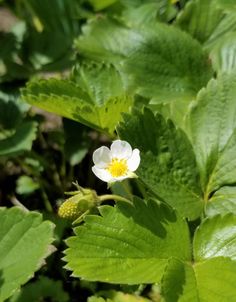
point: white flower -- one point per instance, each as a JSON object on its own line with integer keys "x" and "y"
{"x": 117, "y": 163}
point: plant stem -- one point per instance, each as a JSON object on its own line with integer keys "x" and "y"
{"x": 112, "y": 197}
{"x": 17, "y": 203}
{"x": 46, "y": 201}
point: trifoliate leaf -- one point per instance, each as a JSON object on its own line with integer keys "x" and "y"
{"x": 216, "y": 237}
{"x": 24, "y": 242}
{"x": 128, "y": 243}
{"x": 168, "y": 166}
{"x": 69, "y": 100}
{"x": 213, "y": 133}
{"x": 158, "y": 61}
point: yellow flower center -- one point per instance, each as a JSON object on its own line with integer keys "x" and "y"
{"x": 118, "y": 167}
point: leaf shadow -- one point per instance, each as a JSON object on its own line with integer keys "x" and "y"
{"x": 174, "y": 280}
{"x": 151, "y": 214}
{"x": 1, "y": 281}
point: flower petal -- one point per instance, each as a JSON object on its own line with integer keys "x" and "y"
{"x": 120, "y": 178}
{"x": 121, "y": 149}
{"x": 103, "y": 174}
{"x": 134, "y": 161}
{"x": 101, "y": 157}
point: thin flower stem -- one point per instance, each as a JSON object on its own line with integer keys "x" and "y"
{"x": 112, "y": 197}
{"x": 17, "y": 203}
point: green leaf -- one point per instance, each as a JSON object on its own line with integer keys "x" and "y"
{"x": 69, "y": 100}
{"x": 24, "y": 242}
{"x": 56, "y": 16}
{"x": 10, "y": 115}
{"x": 101, "y": 4}
{"x": 213, "y": 133}
{"x": 222, "y": 202}
{"x": 20, "y": 141}
{"x": 101, "y": 81}
{"x": 41, "y": 289}
{"x": 227, "y": 25}
{"x": 26, "y": 185}
{"x": 168, "y": 65}
{"x": 212, "y": 22}
{"x": 215, "y": 279}
{"x": 8, "y": 42}
{"x": 128, "y": 243}
{"x": 211, "y": 280}
{"x": 106, "y": 39}
{"x": 176, "y": 110}
{"x": 149, "y": 13}
{"x": 168, "y": 165}
{"x": 216, "y": 237}
{"x": 10, "y": 66}
{"x": 146, "y": 57}
{"x": 179, "y": 283}
{"x": 45, "y": 50}
{"x": 223, "y": 53}
{"x": 226, "y": 4}
{"x": 140, "y": 16}
{"x": 200, "y": 18}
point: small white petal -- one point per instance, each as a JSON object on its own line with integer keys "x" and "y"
{"x": 120, "y": 178}
{"x": 121, "y": 149}
{"x": 103, "y": 174}
{"x": 101, "y": 157}
{"x": 134, "y": 161}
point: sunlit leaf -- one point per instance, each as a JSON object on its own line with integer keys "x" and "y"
{"x": 69, "y": 100}
{"x": 168, "y": 65}
{"x": 222, "y": 202}
{"x": 200, "y": 18}
{"x": 213, "y": 133}
{"x": 210, "y": 280}
{"x": 223, "y": 54}
{"x": 128, "y": 244}
{"x": 24, "y": 242}
{"x": 216, "y": 237}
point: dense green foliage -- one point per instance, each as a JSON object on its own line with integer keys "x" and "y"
{"x": 160, "y": 75}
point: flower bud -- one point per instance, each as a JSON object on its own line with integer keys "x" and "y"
{"x": 80, "y": 204}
